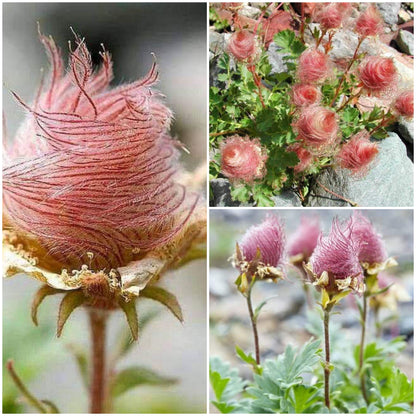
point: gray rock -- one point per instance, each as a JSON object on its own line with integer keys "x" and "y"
{"x": 276, "y": 59}
{"x": 389, "y": 11}
{"x": 390, "y": 182}
{"x": 344, "y": 43}
{"x": 337, "y": 182}
{"x": 406, "y": 130}
{"x": 218, "y": 42}
{"x": 221, "y": 194}
{"x": 251, "y": 12}
{"x": 287, "y": 199}
{"x": 405, "y": 42}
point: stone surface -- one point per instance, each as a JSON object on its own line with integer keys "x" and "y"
{"x": 404, "y": 16}
{"x": 337, "y": 182}
{"x": 389, "y": 11}
{"x": 390, "y": 182}
{"x": 406, "y": 130}
{"x": 405, "y": 42}
{"x": 221, "y": 196}
{"x": 276, "y": 59}
{"x": 287, "y": 199}
{"x": 251, "y": 12}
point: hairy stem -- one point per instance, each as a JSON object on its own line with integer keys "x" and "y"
{"x": 98, "y": 389}
{"x": 254, "y": 326}
{"x": 354, "y": 204}
{"x": 31, "y": 399}
{"x": 327, "y": 368}
{"x": 362, "y": 346}
{"x": 344, "y": 76}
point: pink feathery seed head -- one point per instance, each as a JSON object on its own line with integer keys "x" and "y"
{"x": 304, "y": 156}
{"x": 243, "y": 158}
{"x": 378, "y": 75}
{"x": 243, "y": 46}
{"x": 318, "y": 128}
{"x": 369, "y": 22}
{"x": 305, "y": 94}
{"x": 93, "y": 168}
{"x": 305, "y": 238}
{"x": 403, "y": 104}
{"x": 337, "y": 254}
{"x": 331, "y": 15}
{"x": 269, "y": 238}
{"x": 314, "y": 66}
{"x": 372, "y": 248}
{"x": 357, "y": 154}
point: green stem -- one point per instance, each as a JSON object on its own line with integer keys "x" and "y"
{"x": 327, "y": 368}
{"x": 98, "y": 390}
{"x": 254, "y": 327}
{"x": 32, "y": 400}
{"x": 362, "y": 346}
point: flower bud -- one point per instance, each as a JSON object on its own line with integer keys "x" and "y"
{"x": 357, "y": 154}
{"x": 331, "y": 15}
{"x": 378, "y": 75}
{"x": 314, "y": 66}
{"x": 404, "y": 104}
{"x": 305, "y": 94}
{"x": 370, "y": 22}
{"x": 243, "y": 46}
{"x": 318, "y": 129}
{"x": 243, "y": 159}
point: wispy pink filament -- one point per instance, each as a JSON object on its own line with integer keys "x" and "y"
{"x": 305, "y": 238}
{"x": 92, "y": 169}
{"x": 269, "y": 238}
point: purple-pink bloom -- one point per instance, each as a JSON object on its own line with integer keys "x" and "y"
{"x": 304, "y": 240}
{"x": 337, "y": 255}
{"x": 269, "y": 238}
{"x": 372, "y": 249}
{"x": 93, "y": 169}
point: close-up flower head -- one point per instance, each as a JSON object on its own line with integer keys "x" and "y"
{"x": 314, "y": 66}
{"x": 404, "y": 104}
{"x": 303, "y": 241}
{"x": 243, "y": 46}
{"x": 243, "y": 159}
{"x": 369, "y": 22}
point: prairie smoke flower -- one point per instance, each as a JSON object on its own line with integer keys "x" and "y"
{"x": 314, "y": 66}
{"x": 243, "y": 159}
{"x": 404, "y": 104}
{"x": 357, "y": 154}
{"x": 243, "y": 46}
{"x": 318, "y": 128}
{"x": 303, "y": 242}
{"x": 304, "y": 156}
{"x": 334, "y": 264}
{"x": 305, "y": 94}
{"x": 331, "y": 15}
{"x": 370, "y": 22}
{"x": 91, "y": 189}
{"x": 378, "y": 75}
{"x": 261, "y": 252}
{"x": 372, "y": 253}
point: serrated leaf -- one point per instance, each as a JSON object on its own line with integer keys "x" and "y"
{"x": 40, "y": 295}
{"x": 249, "y": 359}
{"x": 165, "y": 298}
{"x": 129, "y": 309}
{"x": 70, "y": 302}
{"x": 305, "y": 399}
{"x": 132, "y": 377}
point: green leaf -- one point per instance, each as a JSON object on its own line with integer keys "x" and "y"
{"x": 132, "y": 377}
{"x": 289, "y": 43}
{"x": 261, "y": 306}
{"x": 129, "y": 309}
{"x": 70, "y": 302}
{"x": 305, "y": 399}
{"x": 165, "y": 298}
{"x": 240, "y": 193}
{"x": 249, "y": 359}
{"x": 38, "y": 299}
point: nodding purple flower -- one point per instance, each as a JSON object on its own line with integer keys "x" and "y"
{"x": 269, "y": 238}
{"x": 335, "y": 263}
{"x": 304, "y": 240}
{"x": 372, "y": 248}
{"x": 261, "y": 251}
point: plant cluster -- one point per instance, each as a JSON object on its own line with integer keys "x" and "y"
{"x": 276, "y": 130}
{"x": 348, "y": 261}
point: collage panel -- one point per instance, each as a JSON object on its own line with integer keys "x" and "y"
{"x": 311, "y": 311}
{"x": 104, "y": 208}
{"x": 311, "y": 104}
